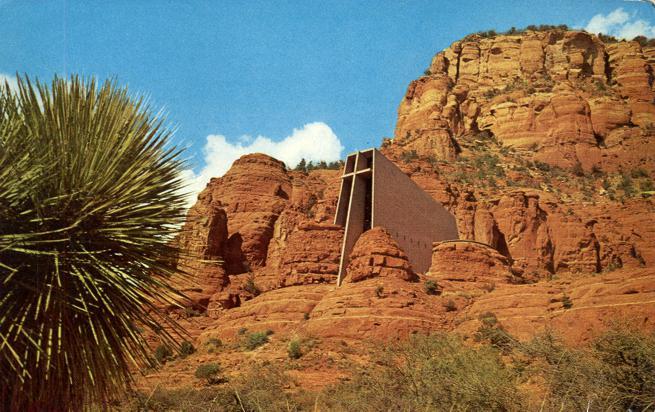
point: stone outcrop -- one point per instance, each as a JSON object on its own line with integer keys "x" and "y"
{"x": 473, "y": 263}
{"x": 376, "y": 254}
{"x": 311, "y": 254}
{"x": 253, "y": 193}
{"x": 202, "y": 246}
{"x": 259, "y": 223}
{"x": 558, "y": 93}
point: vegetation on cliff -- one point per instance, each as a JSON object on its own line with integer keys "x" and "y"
{"x": 442, "y": 372}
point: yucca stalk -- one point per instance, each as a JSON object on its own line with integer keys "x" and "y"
{"x": 90, "y": 199}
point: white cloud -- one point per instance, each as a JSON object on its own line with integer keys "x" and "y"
{"x": 13, "y": 84}
{"x": 620, "y": 24}
{"x": 314, "y": 141}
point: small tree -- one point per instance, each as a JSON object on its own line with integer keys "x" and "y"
{"x": 293, "y": 350}
{"x": 567, "y": 303}
{"x": 431, "y": 287}
{"x": 163, "y": 353}
{"x": 209, "y": 372}
{"x": 255, "y": 340}
{"x": 302, "y": 165}
{"x": 186, "y": 349}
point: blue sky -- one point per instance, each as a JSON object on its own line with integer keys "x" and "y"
{"x": 228, "y": 69}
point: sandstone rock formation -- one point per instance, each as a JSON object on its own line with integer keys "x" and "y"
{"x": 257, "y": 228}
{"x": 458, "y": 262}
{"x": 558, "y": 93}
{"x": 540, "y": 143}
{"x": 202, "y": 246}
{"x": 376, "y": 254}
{"x": 311, "y": 255}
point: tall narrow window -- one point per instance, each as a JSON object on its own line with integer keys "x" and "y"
{"x": 368, "y": 204}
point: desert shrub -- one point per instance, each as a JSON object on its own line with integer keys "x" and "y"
{"x": 431, "y": 287}
{"x": 255, "y": 340}
{"x": 186, "y": 349}
{"x": 615, "y": 373}
{"x": 577, "y": 169}
{"x": 250, "y": 285}
{"x": 638, "y": 172}
{"x": 305, "y": 316}
{"x": 213, "y": 344}
{"x": 436, "y": 372}
{"x": 607, "y": 39}
{"x": 443, "y": 373}
{"x": 427, "y": 72}
{"x": 311, "y": 202}
{"x": 191, "y": 312}
{"x": 490, "y": 331}
{"x": 90, "y": 200}
{"x": 629, "y": 360}
{"x": 408, "y": 156}
{"x": 568, "y": 378}
{"x": 379, "y": 291}
{"x": 260, "y": 388}
{"x": 163, "y": 353}
{"x": 647, "y": 186}
{"x": 567, "y": 303}
{"x": 208, "y": 372}
{"x": 294, "y": 349}
{"x": 489, "y": 286}
{"x": 491, "y": 93}
{"x": 597, "y": 171}
{"x": 450, "y": 305}
{"x": 242, "y": 331}
{"x": 544, "y": 167}
{"x": 626, "y": 185}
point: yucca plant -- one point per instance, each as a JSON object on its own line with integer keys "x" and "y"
{"x": 90, "y": 200}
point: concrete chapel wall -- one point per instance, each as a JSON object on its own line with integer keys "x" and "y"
{"x": 411, "y": 216}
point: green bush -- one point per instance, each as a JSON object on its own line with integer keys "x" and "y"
{"x": 567, "y": 303}
{"x": 163, "y": 353}
{"x": 214, "y": 342}
{"x": 408, "y": 156}
{"x": 379, "y": 291}
{"x": 490, "y": 331}
{"x": 441, "y": 372}
{"x": 629, "y": 364}
{"x": 255, "y": 340}
{"x": 293, "y": 350}
{"x": 638, "y": 173}
{"x": 208, "y": 372}
{"x": 450, "y": 305}
{"x": 186, "y": 349}
{"x": 429, "y": 373}
{"x": 626, "y": 185}
{"x": 431, "y": 287}
{"x": 577, "y": 169}
{"x": 250, "y": 285}
{"x": 615, "y": 373}
{"x": 90, "y": 201}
